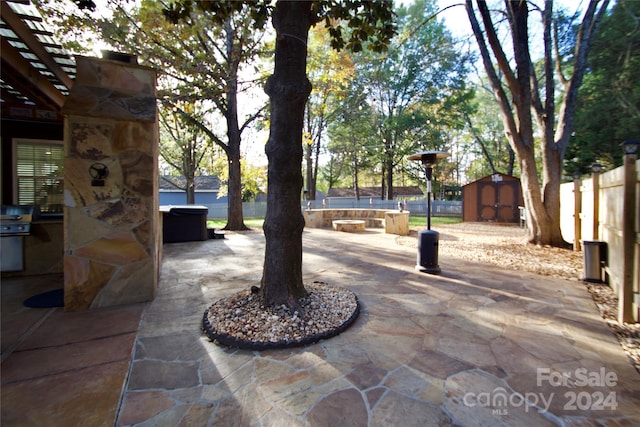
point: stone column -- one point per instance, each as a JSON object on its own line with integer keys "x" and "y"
{"x": 111, "y": 222}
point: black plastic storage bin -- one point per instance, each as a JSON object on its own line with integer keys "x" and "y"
{"x": 186, "y": 223}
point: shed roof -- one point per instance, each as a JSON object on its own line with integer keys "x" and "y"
{"x": 494, "y": 177}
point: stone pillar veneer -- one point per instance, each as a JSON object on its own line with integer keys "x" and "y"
{"x": 111, "y": 231}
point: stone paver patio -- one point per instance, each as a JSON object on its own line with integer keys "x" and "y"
{"x": 475, "y": 346}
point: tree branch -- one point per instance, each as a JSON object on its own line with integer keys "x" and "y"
{"x": 252, "y": 118}
{"x": 200, "y": 126}
{"x": 498, "y": 91}
{"x": 492, "y": 37}
{"x": 591, "y": 20}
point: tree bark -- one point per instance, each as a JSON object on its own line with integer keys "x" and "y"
{"x": 542, "y": 201}
{"x": 316, "y": 160}
{"x": 356, "y": 184}
{"x": 288, "y": 89}
{"x": 235, "y": 216}
{"x": 308, "y": 159}
{"x": 191, "y": 189}
{"x": 388, "y": 160}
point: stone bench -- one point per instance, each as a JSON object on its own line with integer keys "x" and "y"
{"x": 348, "y": 225}
{"x": 375, "y": 222}
{"x": 393, "y": 221}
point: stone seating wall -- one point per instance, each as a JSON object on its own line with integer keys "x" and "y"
{"x": 393, "y": 221}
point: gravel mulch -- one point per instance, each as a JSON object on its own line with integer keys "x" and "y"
{"x": 241, "y": 321}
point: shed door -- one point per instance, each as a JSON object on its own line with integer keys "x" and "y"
{"x": 498, "y": 201}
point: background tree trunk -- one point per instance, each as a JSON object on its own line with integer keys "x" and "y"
{"x": 288, "y": 89}
{"x": 235, "y": 217}
{"x": 191, "y": 190}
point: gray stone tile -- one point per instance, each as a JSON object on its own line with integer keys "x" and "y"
{"x": 153, "y": 374}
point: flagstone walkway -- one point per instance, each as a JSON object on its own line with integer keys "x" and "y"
{"x": 474, "y": 346}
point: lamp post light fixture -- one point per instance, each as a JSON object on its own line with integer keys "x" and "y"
{"x": 428, "y": 239}
{"x": 597, "y": 168}
{"x": 630, "y": 146}
{"x": 627, "y": 312}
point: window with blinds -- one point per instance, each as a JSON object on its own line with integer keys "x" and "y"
{"x": 39, "y": 174}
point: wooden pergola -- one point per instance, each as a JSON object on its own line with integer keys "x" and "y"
{"x": 36, "y": 72}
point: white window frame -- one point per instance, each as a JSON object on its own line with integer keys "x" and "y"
{"x": 30, "y": 141}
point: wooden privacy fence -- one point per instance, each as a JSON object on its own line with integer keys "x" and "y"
{"x": 606, "y": 208}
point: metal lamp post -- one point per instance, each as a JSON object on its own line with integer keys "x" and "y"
{"x": 428, "y": 239}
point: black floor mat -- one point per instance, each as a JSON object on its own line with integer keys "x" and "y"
{"x": 54, "y": 298}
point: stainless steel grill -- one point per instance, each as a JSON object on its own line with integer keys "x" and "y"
{"x": 15, "y": 223}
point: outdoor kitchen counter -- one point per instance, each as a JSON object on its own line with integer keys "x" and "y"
{"x": 43, "y": 248}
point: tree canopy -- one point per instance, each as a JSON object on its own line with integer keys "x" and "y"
{"x": 404, "y": 100}
{"x": 608, "y": 110}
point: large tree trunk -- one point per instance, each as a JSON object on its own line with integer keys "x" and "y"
{"x": 288, "y": 89}
{"x": 542, "y": 202}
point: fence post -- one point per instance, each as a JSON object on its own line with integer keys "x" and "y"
{"x": 625, "y": 297}
{"x": 596, "y": 168}
{"x": 577, "y": 210}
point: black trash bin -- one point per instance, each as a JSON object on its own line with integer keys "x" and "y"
{"x": 428, "y": 251}
{"x": 185, "y": 223}
{"x": 595, "y": 257}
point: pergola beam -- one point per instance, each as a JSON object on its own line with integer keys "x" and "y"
{"x": 30, "y": 78}
{"x": 27, "y": 36}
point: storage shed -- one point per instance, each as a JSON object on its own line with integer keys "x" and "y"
{"x": 494, "y": 198}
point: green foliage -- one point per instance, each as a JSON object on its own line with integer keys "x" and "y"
{"x": 368, "y": 23}
{"x": 220, "y": 11}
{"x": 484, "y": 140}
{"x": 182, "y": 145}
{"x": 608, "y": 109}
{"x": 330, "y": 73}
{"x": 405, "y": 100}
{"x": 418, "y": 221}
{"x": 254, "y": 178}
{"x": 70, "y": 23}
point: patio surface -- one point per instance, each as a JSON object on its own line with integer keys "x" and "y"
{"x": 474, "y": 346}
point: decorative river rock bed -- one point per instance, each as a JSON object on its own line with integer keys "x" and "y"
{"x": 241, "y": 321}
